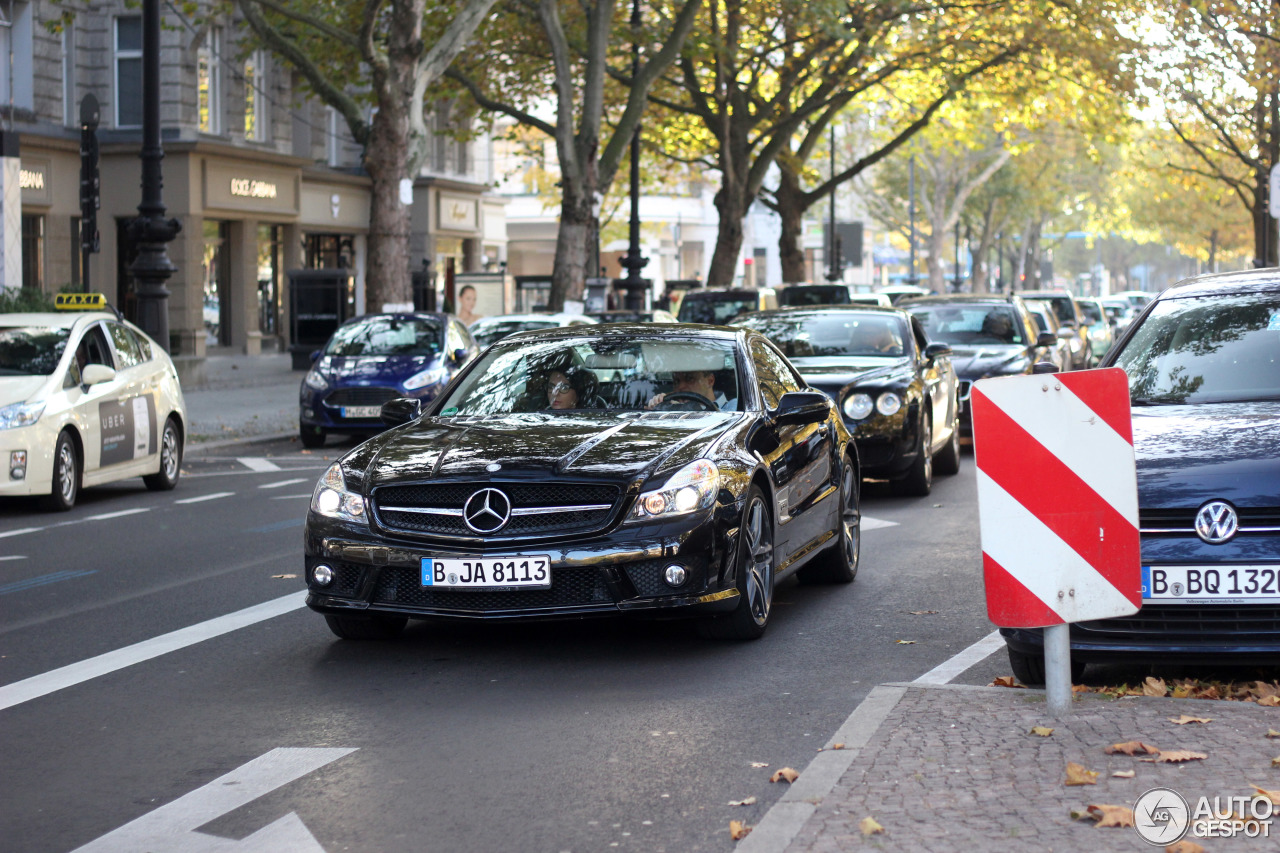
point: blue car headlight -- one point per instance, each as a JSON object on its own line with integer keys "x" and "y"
{"x": 332, "y": 499}
{"x": 692, "y": 487}
{"x": 315, "y": 380}
{"x": 423, "y": 378}
{"x": 20, "y": 415}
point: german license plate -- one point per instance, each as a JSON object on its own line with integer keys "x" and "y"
{"x": 1225, "y": 584}
{"x": 361, "y": 411}
{"x": 487, "y": 572}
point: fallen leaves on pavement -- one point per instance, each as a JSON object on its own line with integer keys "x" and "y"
{"x": 1006, "y": 681}
{"x": 284, "y": 577}
{"x": 749, "y": 801}
{"x": 786, "y": 774}
{"x": 1109, "y": 815}
{"x": 1131, "y": 747}
{"x": 1272, "y": 733}
{"x": 905, "y": 642}
{"x": 1154, "y": 687}
{"x": 738, "y": 830}
{"x": 1264, "y": 693}
{"x": 869, "y": 826}
{"x": 1184, "y": 846}
{"x": 759, "y": 764}
{"x": 1041, "y": 731}
{"x": 1187, "y": 718}
{"x": 1124, "y": 774}
{"x": 922, "y": 612}
{"x": 1173, "y": 756}
{"x": 1077, "y": 774}
{"x": 1273, "y": 796}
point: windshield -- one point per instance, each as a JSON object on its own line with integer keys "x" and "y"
{"x": 815, "y": 296}
{"x": 388, "y": 336}
{"x": 31, "y": 350}
{"x": 961, "y": 325}
{"x": 835, "y": 334}
{"x": 1059, "y": 305}
{"x": 487, "y": 333}
{"x": 715, "y": 311}
{"x": 1211, "y": 349}
{"x": 609, "y": 372}
{"x": 1091, "y": 312}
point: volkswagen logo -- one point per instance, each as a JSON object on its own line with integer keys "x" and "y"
{"x": 488, "y": 511}
{"x": 1216, "y": 522}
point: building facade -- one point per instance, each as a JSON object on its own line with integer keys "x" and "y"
{"x": 262, "y": 180}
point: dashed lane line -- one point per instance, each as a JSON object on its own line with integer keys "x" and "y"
{"x": 104, "y": 664}
{"x": 12, "y": 557}
{"x": 291, "y": 497}
{"x": 257, "y": 463}
{"x": 283, "y": 483}
{"x": 30, "y": 583}
{"x": 869, "y": 523}
{"x": 120, "y": 514}
{"x": 200, "y": 498}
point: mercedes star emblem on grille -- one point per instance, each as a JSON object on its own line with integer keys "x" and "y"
{"x": 488, "y": 511}
{"x": 1216, "y": 522}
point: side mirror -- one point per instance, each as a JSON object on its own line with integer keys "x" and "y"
{"x": 1066, "y": 333}
{"x": 1044, "y": 367}
{"x": 932, "y": 351}
{"x": 458, "y": 356}
{"x": 802, "y": 407}
{"x": 400, "y": 410}
{"x": 1046, "y": 340}
{"x": 94, "y": 374}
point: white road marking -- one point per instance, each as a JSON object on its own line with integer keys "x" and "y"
{"x": 257, "y": 463}
{"x": 291, "y": 497}
{"x": 869, "y": 523}
{"x": 20, "y": 531}
{"x": 211, "y": 497}
{"x": 12, "y": 557}
{"x": 283, "y": 483}
{"x": 958, "y": 663}
{"x": 106, "y": 515}
{"x": 77, "y": 673}
{"x": 172, "y": 827}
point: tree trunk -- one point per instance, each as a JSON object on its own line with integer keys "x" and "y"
{"x": 791, "y": 210}
{"x": 387, "y": 277}
{"x": 937, "y": 282}
{"x": 1033, "y": 258}
{"x": 732, "y": 204}
{"x": 578, "y": 225}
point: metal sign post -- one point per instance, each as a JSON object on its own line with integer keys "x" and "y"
{"x": 90, "y": 195}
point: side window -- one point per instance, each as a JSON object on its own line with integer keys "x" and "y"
{"x": 145, "y": 352}
{"x": 126, "y": 346}
{"x": 92, "y": 349}
{"x": 775, "y": 375}
{"x": 452, "y": 340}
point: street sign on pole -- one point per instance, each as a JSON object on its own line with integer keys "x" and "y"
{"x": 1057, "y": 502}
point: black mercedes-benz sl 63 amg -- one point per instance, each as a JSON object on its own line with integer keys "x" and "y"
{"x": 671, "y": 470}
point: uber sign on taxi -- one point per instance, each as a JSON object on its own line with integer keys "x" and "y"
{"x": 70, "y": 411}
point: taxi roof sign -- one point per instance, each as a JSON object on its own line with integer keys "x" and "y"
{"x": 80, "y": 302}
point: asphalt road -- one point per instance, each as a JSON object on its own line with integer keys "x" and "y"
{"x": 596, "y": 735}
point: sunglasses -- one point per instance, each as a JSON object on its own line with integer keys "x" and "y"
{"x": 559, "y": 388}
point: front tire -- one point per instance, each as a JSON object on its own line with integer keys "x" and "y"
{"x": 918, "y": 481}
{"x": 839, "y": 563}
{"x": 365, "y": 626}
{"x": 311, "y": 437}
{"x": 66, "y": 475}
{"x": 755, "y": 572}
{"x": 170, "y": 460}
{"x": 1029, "y": 669}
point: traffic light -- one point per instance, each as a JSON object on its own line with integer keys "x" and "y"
{"x": 90, "y": 195}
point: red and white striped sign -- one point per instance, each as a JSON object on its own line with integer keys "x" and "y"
{"x": 1057, "y": 497}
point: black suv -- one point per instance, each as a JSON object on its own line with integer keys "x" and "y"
{"x": 1068, "y": 314}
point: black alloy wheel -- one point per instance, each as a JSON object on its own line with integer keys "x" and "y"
{"x": 366, "y": 626}
{"x": 754, "y": 568}
{"x": 170, "y": 460}
{"x": 839, "y": 563}
{"x": 918, "y": 481}
{"x": 66, "y": 475}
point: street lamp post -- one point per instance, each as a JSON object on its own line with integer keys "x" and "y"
{"x": 833, "y": 241}
{"x": 152, "y": 229}
{"x": 634, "y": 284}
{"x": 911, "y": 193}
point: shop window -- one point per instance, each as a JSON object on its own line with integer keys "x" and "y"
{"x": 33, "y": 252}
{"x": 209, "y": 83}
{"x": 217, "y": 289}
{"x": 328, "y": 251}
{"x": 17, "y": 80}
{"x": 255, "y": 100}
{"x": 269, "y": 279}
{"x": 129, "y": 71}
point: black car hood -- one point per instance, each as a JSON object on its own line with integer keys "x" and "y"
{"x": 828, "y": 372}
{"x": 1191, "y": 454}
{"x": 618, "y": 448}
{"x": 976, "y": 362}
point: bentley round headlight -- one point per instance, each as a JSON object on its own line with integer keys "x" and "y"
{"x": 888, "y": 404}
{"x": 857, "y": 406}
{"x": 654, "y": 503}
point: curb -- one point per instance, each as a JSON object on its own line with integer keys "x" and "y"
{"x": 231, "y": 442}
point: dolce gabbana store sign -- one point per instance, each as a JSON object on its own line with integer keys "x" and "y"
{"x": 251, "y": 188}
{"x": 33, "y": 180}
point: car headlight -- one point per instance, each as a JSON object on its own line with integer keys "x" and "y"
{"x": 20, "y": 415}
{"x": 857, "y": 406}
{"x": 692, "y": 487}
{"x": 432, "y": 376}
{"x": 888, "y": 403}
{"x": 315, "y": 379}
{"x": 332, "y": 499}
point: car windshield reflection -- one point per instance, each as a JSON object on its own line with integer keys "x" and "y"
{"x": 832, "y": 335}
{"x": 388, "y": 336}
{"x": 31, "y": 350}
{"x": 596, "y": 374}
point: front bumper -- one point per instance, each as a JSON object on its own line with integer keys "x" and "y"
{"x": 618, "y": 573}
{"x": 38, "y": 441}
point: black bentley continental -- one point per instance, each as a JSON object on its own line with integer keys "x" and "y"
{"x": 662, "y": 471}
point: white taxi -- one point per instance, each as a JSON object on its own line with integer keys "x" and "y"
{"x": 85, "y": 398}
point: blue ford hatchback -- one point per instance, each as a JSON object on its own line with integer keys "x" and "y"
{"x": 373, "y": 358}
{"x": 1204, "y": 377}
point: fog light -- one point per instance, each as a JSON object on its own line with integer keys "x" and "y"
{"x": 308, "y": 413}
{"x": 322, "y": 575}
{"x": 675, "y": 575}
{"x": 17, "y": 465}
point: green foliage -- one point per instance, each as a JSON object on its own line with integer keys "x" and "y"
{"x": 22, "y": 300}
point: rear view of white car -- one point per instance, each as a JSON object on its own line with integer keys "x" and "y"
{"x": 85, "y": 398}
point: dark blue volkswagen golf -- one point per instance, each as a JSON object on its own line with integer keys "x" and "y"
{"x": 1204, "y": 377}
{"x": 372, "y": 359}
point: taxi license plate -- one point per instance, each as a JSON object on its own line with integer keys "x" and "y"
{"x": 487, "y": 572}
{"x": 361, "y": 411}
{"x": 1226, "y": 584}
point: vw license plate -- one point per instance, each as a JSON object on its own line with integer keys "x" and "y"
{"x": 1223, "y": 584}
{"x": 361, "y": 411}
{"x": 487, "y": 572}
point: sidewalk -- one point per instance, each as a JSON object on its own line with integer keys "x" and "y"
{"x": 244, "y": 397}
{"x": 956, "y": 768}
